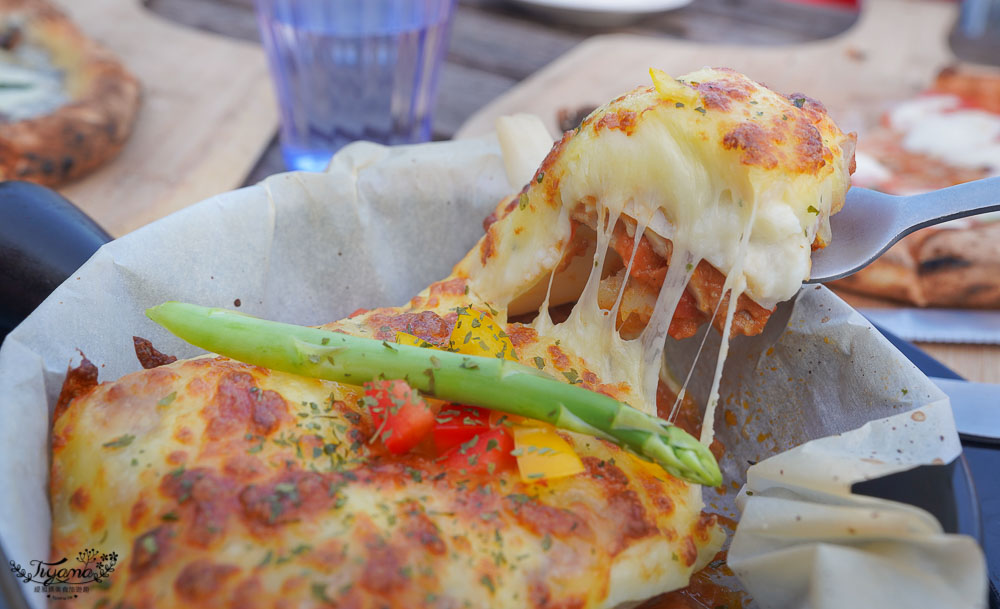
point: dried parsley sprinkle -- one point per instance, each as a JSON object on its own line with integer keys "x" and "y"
{"x": 679, "y": 105}
{"x": 149, "y": 544}
{"x": 319, "y": 591}
{"x": 464, "y": 447}
{"x": 267, "y": 559}
{"x": 541, "y": 176}
{"x": 522, "y": 201}
{"x": 487, "y": 581}
{"x": 539, "y": 363}
{"x": 120, "y": 441}
{"x": 700, "y": 109}
{"x": 170, "y": 517}
{"x": 812, "y": 210}
{"x": 166, "y": 400}
{"x": 546, "y": 542}
{"x": 799, "y": 102}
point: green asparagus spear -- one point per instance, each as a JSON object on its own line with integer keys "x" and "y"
{"x": 498, "y": 384}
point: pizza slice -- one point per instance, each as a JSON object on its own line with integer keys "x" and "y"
{"x": 67, "y": 105}
{"x": 467, "y": 449}
{"x": 946, "y": 136}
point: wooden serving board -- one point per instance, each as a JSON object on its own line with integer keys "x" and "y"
{"x": 894, "y": 51}
{"x": 207, "y": 113}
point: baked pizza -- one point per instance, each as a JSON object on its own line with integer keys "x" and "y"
{"x": 67, "y": 105}
{"x": 472, "y": 448}
{"x": 947, "y": 136}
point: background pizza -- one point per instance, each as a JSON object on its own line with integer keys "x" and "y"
{"x": 67, "y": 105}
{"x": 947, "y": 136}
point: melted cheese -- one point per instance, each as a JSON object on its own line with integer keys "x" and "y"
{"x": 940, "y": 127}
{"x": 30, "y": 85}
{"x": 726, "y": 170}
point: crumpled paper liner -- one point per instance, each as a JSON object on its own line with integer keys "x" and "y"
{"x": 805, "y": 541}
{"x": 381, "y": 224}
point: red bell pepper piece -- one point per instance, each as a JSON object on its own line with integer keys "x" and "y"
{"x": 485, "y": 454}
{"x": 402, "y": 418}
{"x": 457, "y": 424}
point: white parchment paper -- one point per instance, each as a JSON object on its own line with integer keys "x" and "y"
{"x": 381, "y": 224}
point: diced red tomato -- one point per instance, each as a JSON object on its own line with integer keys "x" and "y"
{"x": 457, "y": 423}
{"x": 485, "y": 454}
{"x": 402, "y": 418}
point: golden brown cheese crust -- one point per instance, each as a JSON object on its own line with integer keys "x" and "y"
{"x": 697, "y": 147}
{"x": 88, "y": 130}
{"x": 224, "y": 484}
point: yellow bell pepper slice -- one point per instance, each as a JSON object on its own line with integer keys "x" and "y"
{"x": 674, "y": 90}
{"x": 476, "y": 333}
{"x": 543, "y": 454}
{"x": 402, "y": 338}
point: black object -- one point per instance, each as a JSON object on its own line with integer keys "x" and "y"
{"x": 979, "y": 461}
{"x": 43, "y": 239}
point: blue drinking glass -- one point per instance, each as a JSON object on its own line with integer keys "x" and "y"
{"x": 347, "y": 70}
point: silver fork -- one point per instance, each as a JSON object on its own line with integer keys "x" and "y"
{"x": 871, "y": 222}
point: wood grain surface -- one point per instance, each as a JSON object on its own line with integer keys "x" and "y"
{"x": 495, "y": 44}
{"x": 207, "y": 114}
{"x": 892, "y": 52}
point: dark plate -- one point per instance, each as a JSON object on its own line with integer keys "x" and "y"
{"x": 972, "y": 485}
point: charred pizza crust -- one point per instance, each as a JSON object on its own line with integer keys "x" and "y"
{"x": 91, "y": 127}
{"x": 949, "y": 267}
{"x": 893, "y": 276}
{"x": 961, "y": 267}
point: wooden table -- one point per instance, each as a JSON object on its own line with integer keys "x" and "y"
{"x": 495, "y": 45}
